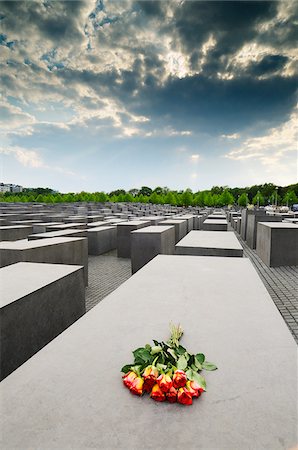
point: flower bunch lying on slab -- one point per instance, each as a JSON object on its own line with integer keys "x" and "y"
{"x": 167, "y": 371}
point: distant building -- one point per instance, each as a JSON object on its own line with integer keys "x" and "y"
{"x": 4, "y": 187}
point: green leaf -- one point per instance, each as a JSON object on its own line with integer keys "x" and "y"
{"x": 156, "y": 349}
{"x": 181, "y": 363}
{"x": 209, "y": 366}
{"x": 142, "y": 354}
{"x": 198, "y": 364}
{"x": 172, "y": 353}
{"x": 126, "y": 368}
{"x": 189, "y": 374}
{"x": 194, "y": 367}
{"x": 200, "y": 380}
{"x": 148, "y": 347}
{"x": 200, "y": 357}
{"x": 181, "y": 350}
{"x": 161, "y": 366}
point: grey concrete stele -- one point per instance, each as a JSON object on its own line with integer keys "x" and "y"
{"x": 15, "y": 232}
{"x": 38, "y": 302}
{"x": 57, "y": 250}
{"x": 123, "y": 236}
{"x": 209, "y": 243}
{"x": 215, "y": 225}
{"x": 251, "y": 226}
{"x": 277, "y": 243}
{"x": 101, "y": 239}
{"x": 63, "y": 397}
{"x": 149, "y": 242}
{"x": 180, "y": 226}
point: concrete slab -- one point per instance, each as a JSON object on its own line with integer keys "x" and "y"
{"x": 180, "y": 227}
{"x": 61, "y": 233}
{"x": 41, "y": 227}
{"x": 63, "y": 398}
{"x": 14, "y": 232}
{"x": 215, "y": 225}
{"x": 251, "y": 227}
{"x": 101, "y": 240}
{"x": 59, "y": 250}
{"x": 38, "y": 302}
{"x": 277, "y": 243}
{"x": 209, "y": 243}
{"x": 150, "y": 241}
{"x": 123, "y": 236}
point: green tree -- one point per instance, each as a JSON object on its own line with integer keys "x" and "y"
{"x": 290, "y": 198}
{"x": 226, "y": 198}
{"x": 258, "y": 199}
{"x": 243, "y": 200}
{"x": 145, "y": 191}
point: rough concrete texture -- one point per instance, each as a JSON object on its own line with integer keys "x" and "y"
{"x": 123, "y": 236}
{"x": 101, "y": 240}
{"x": 251, "y": 226}
{"x": 63, "y": 398}
{"x": 149, "y": 242}
{"x": 180, "y": 227}
{"x": 54, "y": 250}
{"x": 215, "y": 225}
{"x": 38, "y": 302}
{"x": 60, "y": 233}
{"x": 15, "y": 232}
{"x": 277, "y": 243}
{"x": 209, "y": 243}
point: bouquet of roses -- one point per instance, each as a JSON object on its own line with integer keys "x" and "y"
{"x": 167, "y": 371}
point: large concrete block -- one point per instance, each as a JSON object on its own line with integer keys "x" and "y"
{"x": 53, "y": 250}
{"x": 14, "y": 232}
{"x": 41, "y": 227}
{"x": 190, "y": 221}
{"x": 251, "y": 227}
{"x": 66, "y": 226}
{"x": 38, "y": 302}
{"x": 277, "y": 243}
{"x": 215, "y": 225}
{"x": 101, "y": 240}
{"x": 148, "y": 242}
{"x": 123, "y": 236}
{"x": 180, "y": 227}
{"x": 249, "y": 403}
{"x": 209, "y": 243}
{"x": 61, "y": 233}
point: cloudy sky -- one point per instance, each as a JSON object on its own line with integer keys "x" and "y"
{"x": 97, "y": 95}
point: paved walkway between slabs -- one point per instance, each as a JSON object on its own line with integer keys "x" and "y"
{"x": 282, "y": 285}
{"x": 107, "y": 272}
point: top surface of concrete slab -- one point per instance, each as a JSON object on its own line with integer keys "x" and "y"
{"x": 57, "y": 233}
{"x": 96, "y": 229}
{"x": 174, "y": 221}
{"x": 63, "y": 397}
{"x": 24, "y": 244}
{"x": 153, "y": 229}
{"x": 15, "y": 227}
{"x": 210, "y": 239}
{"x": 279, "y": 225}
{"x": 66, "y": 225}
{"x": 132, "y": 222}
{"x": 20, "y": 279}
{"x": 214, "y": 221}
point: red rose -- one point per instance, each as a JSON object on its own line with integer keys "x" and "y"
{"x": 137, "y": 386}
{"x": 184, "y": 396}
{"x": 164, "y": 382}
{"x": 157, "y": 394}
{"x": 128, "y": 378}
{"x": 172, "y": 395}
{"x": 148, "y": 384}
{"x": 179, "y": 379}
{"x": 194, "y": 388}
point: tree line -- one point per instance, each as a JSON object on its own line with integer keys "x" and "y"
{"x": 218, "y": 196}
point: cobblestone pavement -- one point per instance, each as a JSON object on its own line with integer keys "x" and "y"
{"x": 107, "y": 272}
{"x": 282, "y": 285}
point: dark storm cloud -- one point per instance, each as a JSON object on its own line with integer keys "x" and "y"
{"x": 230, "y": 23}
{"x": 217, "y": 105}
{"x": 269, "y": 64}
{"x": 54, "y": 20}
